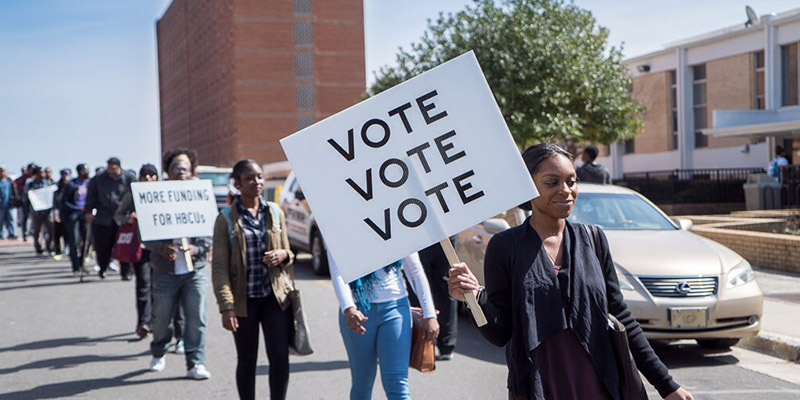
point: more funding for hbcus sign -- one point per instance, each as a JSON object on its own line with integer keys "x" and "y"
{"x": 409, "y": 167}
{"x": 174, "y": 209}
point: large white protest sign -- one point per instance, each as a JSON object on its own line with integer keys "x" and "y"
{"x": 42, "y": 199}
{"x": 174, "y": 209}
{"x": 409, "y": 167}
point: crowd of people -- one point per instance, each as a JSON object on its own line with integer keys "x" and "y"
{"x": 546, "y": 297}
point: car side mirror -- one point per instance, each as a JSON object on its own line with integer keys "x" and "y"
{"x": 684, "y": 224}
{"x": 299, "y": 195}
{"x": 495, "y": 225}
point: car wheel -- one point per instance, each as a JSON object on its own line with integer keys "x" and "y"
{"x": 319, "y": 255}
{"x": 717, "y": 343}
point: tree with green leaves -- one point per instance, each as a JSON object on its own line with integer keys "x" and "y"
{"x": 548, "y": 63}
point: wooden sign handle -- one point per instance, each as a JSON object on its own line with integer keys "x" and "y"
{"x": 187, "y": 254}
{"x": 452, "y": 258}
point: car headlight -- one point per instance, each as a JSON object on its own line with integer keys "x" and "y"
{"x": 740, "y": 274}
{"x": 624, "y": 281}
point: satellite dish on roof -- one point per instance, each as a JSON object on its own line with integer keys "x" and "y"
{"x": 752, "y": 17}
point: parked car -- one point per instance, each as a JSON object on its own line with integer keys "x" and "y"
{"x": 301, "y": 226}
{"x": 221, "y": 181}
{"x": 677, "y": 284}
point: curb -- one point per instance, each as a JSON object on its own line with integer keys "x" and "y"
{"x": 784, "y": 347}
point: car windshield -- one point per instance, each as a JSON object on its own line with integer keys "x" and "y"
{"x": 216, "y": 178}
{"x": 622, "y": 212}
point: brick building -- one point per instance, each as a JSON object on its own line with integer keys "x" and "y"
{"x": 235, "y": 76}
{"x": 719, "y": 100}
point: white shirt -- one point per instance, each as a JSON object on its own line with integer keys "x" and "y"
{"x": 389, "y": 286}
{"x": 181, "y": 268}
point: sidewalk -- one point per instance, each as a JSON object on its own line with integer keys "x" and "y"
{"x": 780, "y": 332}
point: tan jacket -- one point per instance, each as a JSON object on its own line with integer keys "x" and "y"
{"x": 229, "y": 265}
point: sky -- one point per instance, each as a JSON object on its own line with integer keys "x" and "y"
{"x": 78, "y": 78}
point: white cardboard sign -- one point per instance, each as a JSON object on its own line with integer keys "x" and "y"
{"x": 42, "y": 199}
{"x": 174, "y": 209}
{"x": 409, "y": 167}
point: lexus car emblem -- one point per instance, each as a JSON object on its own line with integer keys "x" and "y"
{"x": 683, "y": 287}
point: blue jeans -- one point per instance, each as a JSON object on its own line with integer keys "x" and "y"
{"x": 388, "y": 342}
{"x": 7, "y": 223}
{"x": 188, "y": 290}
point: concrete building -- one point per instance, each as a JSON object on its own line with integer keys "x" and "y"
{"x": 235, "y": 76}
{"x": 718, "y": 100}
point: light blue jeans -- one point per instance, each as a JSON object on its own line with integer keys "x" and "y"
{"x": 388, "y": 342}
{"x": 8, "y": 223}
{"x": 188, "y": 290}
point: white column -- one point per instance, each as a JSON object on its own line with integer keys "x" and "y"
{"x": 772, "y": 65}
{"x": 685, "y": 110}
{"x": 617, "y": 167}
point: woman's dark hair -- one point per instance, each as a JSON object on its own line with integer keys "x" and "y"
{"x": 533, "y": 157}
{"x": 171, "y": 154}
{"x": 239, "y": 168}
{"x": 147, "y": 170}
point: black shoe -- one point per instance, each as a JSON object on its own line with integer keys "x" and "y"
{"x": 101, "y": 274}
{"x": 126, "y": 277}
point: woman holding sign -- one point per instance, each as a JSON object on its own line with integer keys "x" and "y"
{"x": 550, "y": 286}
{"x": 251, "y": 280}
{"x": 376, "y": 324}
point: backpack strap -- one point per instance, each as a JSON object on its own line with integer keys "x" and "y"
{"x": 275, "y": 211}
{"x": 226, "y": 212}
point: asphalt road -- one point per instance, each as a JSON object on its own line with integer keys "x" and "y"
{"x": 62, "y": 338}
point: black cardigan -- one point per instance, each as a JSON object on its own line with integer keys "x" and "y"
{"x": 523, "y": 304}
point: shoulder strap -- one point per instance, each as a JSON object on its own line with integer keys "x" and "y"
{"x": 275, "y": 211}
{"x": 594, "y": 239}
{"x": 226, "y": 212}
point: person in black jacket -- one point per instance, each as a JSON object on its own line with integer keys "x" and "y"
{"x": 548, "y": 296}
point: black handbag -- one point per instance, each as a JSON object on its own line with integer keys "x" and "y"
{"x": 631, "y": 386}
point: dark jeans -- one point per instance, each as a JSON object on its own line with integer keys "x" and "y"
{"x": 277, "y": 327}
{"x": 76, "y": 237}
{"x": 41, "y": 219}
{"x": 22, "y": 215}
{"x": 144, "y": 299}
{"x": 104, "y": 239}
{"x": 437, "y": 269}
{"x": 59, "y": 233}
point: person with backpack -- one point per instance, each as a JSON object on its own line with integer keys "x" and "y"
{"x": 250, "y": 274}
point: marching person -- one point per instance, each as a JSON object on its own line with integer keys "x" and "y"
{"x": 436, "y": 269}
{"x": 59, "y": 221}
{"x": 105, "y": 192}
{"x": 126, "y": 214}
{"x": 548, "y": 296}
{"x": 23, "y": 209}
{"x": 8, "y": 200}
{"x": 73, "y": 204}
{"x": 250, "y": 272}
{"x": 175, "y": 282}
{"x": 375, "y": 323}
{"x": 42, "y": 225}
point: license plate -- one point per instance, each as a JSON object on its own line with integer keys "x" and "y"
{"x": 688, "y": 318}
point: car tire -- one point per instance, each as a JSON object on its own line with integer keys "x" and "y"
{"x": 319, "y": 255}
{"x": 717, "y": 343}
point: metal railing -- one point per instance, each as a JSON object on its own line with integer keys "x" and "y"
{"x": 790, "y": 177}
{"x": 682, "y": 186}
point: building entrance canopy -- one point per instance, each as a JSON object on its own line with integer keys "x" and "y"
{"x": 756, "y": 123}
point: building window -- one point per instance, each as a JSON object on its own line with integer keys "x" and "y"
{"x": 789, "y": 89}
{"x": 304, "y": 64}
{"x": 758, "y": 61}
{"x": 699, "y": 102}
{"x": 303, "y": 34}
{"x": 302, "y": 6}
{"x": 630, "y": 146}
{"x": 673, "y": 101}
{"x": 305, "y": 97}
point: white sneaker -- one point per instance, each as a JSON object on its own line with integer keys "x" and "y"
{"x": 96, "y": 268}
{"x": 113, "y": 266}
{"x": 198, "y": 373}
{"x": 179, "y": 349}
{"x": 158, "y": 364}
